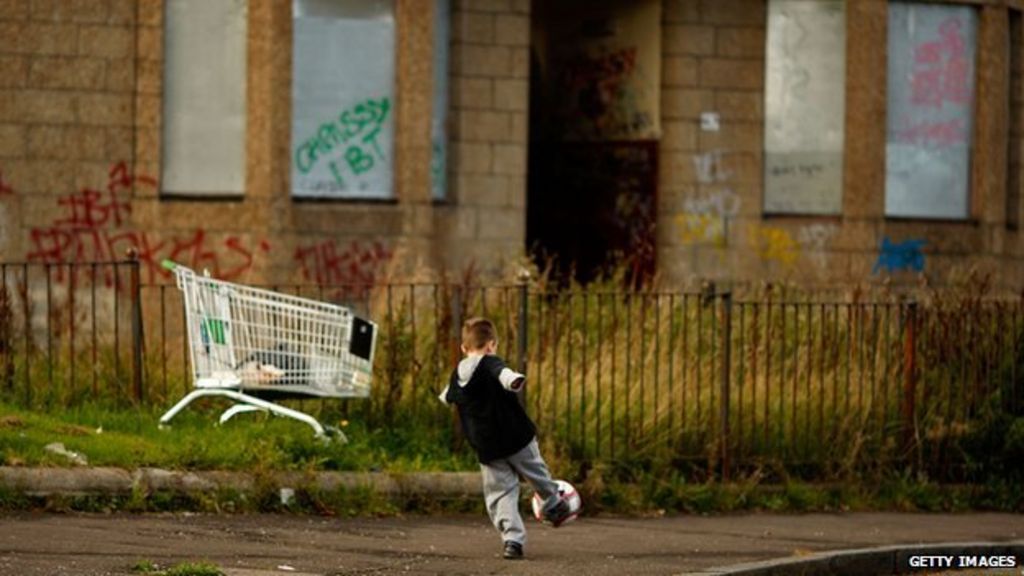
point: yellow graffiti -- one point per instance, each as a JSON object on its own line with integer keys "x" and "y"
{"x": 777, "y": 245}
{"x": 706, "y": 229}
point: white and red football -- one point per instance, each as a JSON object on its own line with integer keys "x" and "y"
{"x": 568, "y": 493}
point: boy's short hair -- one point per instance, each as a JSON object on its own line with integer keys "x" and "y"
{"x": 477, "y": 332}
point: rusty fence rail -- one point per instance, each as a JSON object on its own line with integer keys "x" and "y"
{"x": 710, "y": 381}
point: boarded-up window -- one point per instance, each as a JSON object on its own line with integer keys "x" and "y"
{"x": 438, "y": 133}
{"x": 930, "y": 110}
{"x": 343, "y": 69}
{"x": 805, "y": 105}
{"x": 204, "y": 97}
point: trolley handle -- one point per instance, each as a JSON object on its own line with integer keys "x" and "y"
{"x": 179, "y": 271}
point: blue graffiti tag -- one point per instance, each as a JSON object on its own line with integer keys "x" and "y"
{"x": 906, "y": 255}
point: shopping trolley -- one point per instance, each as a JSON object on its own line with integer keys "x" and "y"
{"x": 256, "y": 346}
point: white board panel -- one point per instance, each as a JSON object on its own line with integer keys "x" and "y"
{"x": 805, "y": 106}
{"x": 930, "y": 110}
{"x": 343, "y": 99}
{"x": 439, "y": 120}
{"x": 204, "y": 97}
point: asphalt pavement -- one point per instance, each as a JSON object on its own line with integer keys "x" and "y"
{"x": 261, "y": 545}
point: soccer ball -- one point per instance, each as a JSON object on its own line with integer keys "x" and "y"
{"x": 568, "y": 493}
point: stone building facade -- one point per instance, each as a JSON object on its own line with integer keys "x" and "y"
{"x": 82, "y": 126}
{"x": 715, "y": 60}
{"x": 655, "y": 130}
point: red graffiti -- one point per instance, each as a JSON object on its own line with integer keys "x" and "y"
{"x": 938, "y": 133}
{"x": 610, "y": 68}
{"x": 124, "y": 180}
{"x": 146, "y": 249}
{"x": 91, "y": 230}
{"x": 359, "y": 263}
{"x": 597, "y": 83}
{"x": 5, "y": 188}
{"x": 596, "y": 97}
{"x": 234, "y": 245}
{"x": 941, "y": 69}
{"x": 92, "y": 209}
{"x": 226, "y": 261}
{"x": 66, "y": 245}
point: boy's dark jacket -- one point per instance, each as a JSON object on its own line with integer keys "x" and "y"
{"x": 492, "y": 419}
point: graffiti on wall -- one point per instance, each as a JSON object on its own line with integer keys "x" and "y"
{"x": 330, "y": 263}
{"x": 599, "y": 96}
{"x": 944, "y": 133}
{"x": 5, "y": 188}
{"x": 710, "y": 167}
{"x": 705, "y": 219}
{"x": 90, "y": 228}
{"x": 349, "y": 144}
{"x": 776, "y": 245}
{"x": 781, "y": 246}
{"x": 941, "y": 74}
{"x": 941, "y": 68}
{"x": 814, "y": 240}
{"x": 900, "y": 256}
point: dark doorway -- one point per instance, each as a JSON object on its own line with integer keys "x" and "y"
{"x": 592, "y": 174}
{"x": 591, "y": 207}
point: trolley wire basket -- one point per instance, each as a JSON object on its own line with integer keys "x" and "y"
{"x": 255, "y": 346}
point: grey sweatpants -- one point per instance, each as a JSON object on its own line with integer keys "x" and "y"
{"x": 501, "y": 489}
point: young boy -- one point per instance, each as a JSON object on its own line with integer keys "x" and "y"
{"x": 496, "y": 426}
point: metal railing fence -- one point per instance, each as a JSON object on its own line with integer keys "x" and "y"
{"x": 704, "y": 380}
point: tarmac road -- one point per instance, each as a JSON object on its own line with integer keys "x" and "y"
{"x": 260, "y": 545}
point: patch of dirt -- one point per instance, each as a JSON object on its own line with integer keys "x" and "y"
{"x": 11, "y": 421}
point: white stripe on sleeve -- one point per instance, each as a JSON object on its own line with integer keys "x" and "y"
{"x": 511, "y": 380}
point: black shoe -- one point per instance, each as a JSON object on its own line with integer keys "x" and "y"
{"x": 558, "y": 514}
{"x": 513, "y": 551}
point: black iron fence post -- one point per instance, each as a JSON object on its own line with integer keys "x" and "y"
{"x": 723, "y": 443}
{"x": 523, "y": 325}
{"x": 136, "y": 296}
{"x": 456, "y": 310}
{"x": 909, "y": 377}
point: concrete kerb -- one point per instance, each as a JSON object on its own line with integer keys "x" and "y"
{"x": 866, "y": 561}
{"x": 109, "y": 481}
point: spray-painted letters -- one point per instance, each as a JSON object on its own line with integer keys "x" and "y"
{"x": 327, "y": 263}
{"x": 710, "y": 168}
{"x": 814, "y": 238}
{"x": 706, "y": 220}
{"x": 5, "y": 188}
{"x": 776, "y": 245}
{"x": 90, "y": 229}
{"x": 941, "y": 68}
{"x": 944, "y": 133}
{"x": 940, "y": 76}
{"x": 906, "y": 255}
{"x": 600, "y": 96}
{"x": 348, "y": 143}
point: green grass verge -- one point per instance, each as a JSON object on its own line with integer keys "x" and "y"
{"x": 250, "y": 442}
{"x": 262, "y": 445}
